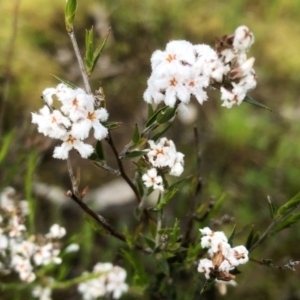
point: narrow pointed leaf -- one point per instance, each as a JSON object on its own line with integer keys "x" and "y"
{"x": 111, "y": 125}
{"x": 154, "y": 116}
{"x": 166, "y": 199}
{"x": 231, "y": 237}
{"x": 166, "y": 116}
{"x": 136, "y": 135}
{"x": 175, "y": 232}
{"x": 180, "y": 183}
{"x": 272, "y": 208}
{"x": 150, "y": 242}
{"x": 287, "y": 222}
{"x": 7, "y": 139}
{"x": 99, "y": 150}
{"x": 295, "y": 201}
{"x": 134, "y": 154}
{"x": 70, "y": 11}
{"x": 150, "y": 111}
{"x": 66, "y": 82}
{"x": 89, "y": 37}
{"x": 161, "y": 133}
{"x": 250, "y": 238}
{"x": 99, "y": 50}
{"x": 140, "y": 276}
{"x": 250, "y": 100}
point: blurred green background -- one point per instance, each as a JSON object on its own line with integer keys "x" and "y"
{"x": 247, "y": 152}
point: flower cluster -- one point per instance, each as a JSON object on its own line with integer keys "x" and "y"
{"x": 184, "y": 69}
{"x": 223, "y": 258}
{"x": 18, "y": 252}
{"x": 72, "y": 123}
{"x": 163, "y": 156}
{"x": 110, "y": 281}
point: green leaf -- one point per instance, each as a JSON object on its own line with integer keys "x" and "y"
{"x": 99, "y": 150}
{"x": 150, "y": 242}
{"x": 290, "y": 204}
{"x": 175, "y": 232}
{"x": 66, "y": 82}
{"x": 150, "y": 111}
{"x": 89, "y": 39}
{"x": 216, "y": 207}
{"x": 134, "y": 154}
{"x": 154, "y": 116}
{"x": 70, "y": 11}
{"x": 136, "y": 135}
{"x": 250, "y": 100}
{"x": 138, "y": 213}
{"x": 161, "y": 133}
{"x": 231, "y": 237}
{"x": 129, "y": 238}
{"x": 99, "y": 50}
{"x": 111, "y": 125}
{"x": 140, "y": 276}
{"x": 249, "y": 239}
{"x": 272, "y": 208}
{"x": 32, "y": 161}
{"x": 180, "y": 183}
{"x": 287, "y": 222}
{"x": 95, "y": 225}
{"x": 166, "y": 199}
{"x": 7, "y": 139}
{"x": 166, "y": 115}
{"x": 153, "y": 227}
{"x": 163, "y": 265}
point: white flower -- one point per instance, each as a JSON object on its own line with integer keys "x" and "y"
{"x": 43, "y": 293}
{"x": 23, "y": 267}
{"x": 72, "y": 248}
{"x": 6, "y": 199}
{"x": 52, "y": 124}
{"x": 70, "y": 142}
{"x": 116, "y": 282}
{"x": 243, "y": 38}
{"x": 92, "y": 289}
{"x": 47, "y": 254}
{"x": 91, "y": 119}
{"x": 205, "y": 266}
{"x": 56, "y": 232}
{"x": 151, "y": 179}
{"x": 16, "y": 227}
{"x": 223, "y": 257}
{"x": 222, "y": 285}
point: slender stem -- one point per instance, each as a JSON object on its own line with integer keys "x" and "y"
{"x": 68, "y": 283}
{"x": 102, "y": 221}
{"x": 72, "y": 177}
{"x": 106, "y": 167}
{"x": 271, "y": 226}
{"x": 8, "y": 62}
{"x": 158, "y": 227}
{"x": 121, "y": 168}
{"x": 80, "y": 62}
{"x": 198, "y": 189}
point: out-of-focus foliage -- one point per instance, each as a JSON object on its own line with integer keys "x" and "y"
{"x": 247, "y": 152}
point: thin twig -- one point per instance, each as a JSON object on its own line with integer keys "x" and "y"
{"x": 80, "y": 62}
{"x": 270, "y": 227}
{"x": 198, "y": 189}
{"x": 8, "y": 62}
{"x": 106, "y": 167}
{"x": 158, "y": 227}
{"x": 102, "y": 221}
{"x": 121, "y": 168}
{"x": 72, "y": 177}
